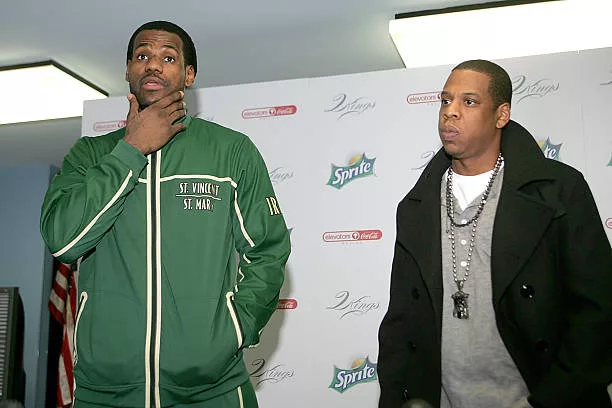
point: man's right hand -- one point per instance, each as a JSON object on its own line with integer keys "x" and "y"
{"x": 150, "y": 129}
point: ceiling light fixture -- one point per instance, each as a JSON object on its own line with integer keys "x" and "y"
{"x": 41, "y": 91}
{"x": 500, "y": 29}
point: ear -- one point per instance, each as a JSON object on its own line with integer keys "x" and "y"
{"x": 502, "y": 115}
{"x": 189, "y": 76}
{"x": 127, "y": 70}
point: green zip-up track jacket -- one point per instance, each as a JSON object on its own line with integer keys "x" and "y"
{"x": 165, "y": 306}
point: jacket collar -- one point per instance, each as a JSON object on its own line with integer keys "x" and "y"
{"x": 520, "y": 221}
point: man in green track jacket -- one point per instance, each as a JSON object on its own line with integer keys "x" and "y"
{"x": 157, "y": 211}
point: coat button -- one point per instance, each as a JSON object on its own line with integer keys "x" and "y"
{"x": 415, "y": 294}
{"x": 412, "y": 346}
{"x": 527, "y": 291}
{"x": 542, "y": 346}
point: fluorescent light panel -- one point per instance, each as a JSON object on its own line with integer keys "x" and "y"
{"x": 502, "y": 31}
{"x": 43, "y": 91}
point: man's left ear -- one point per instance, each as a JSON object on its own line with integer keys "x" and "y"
{"x": 502, "y": 115}
{"x": 189, "y": 76}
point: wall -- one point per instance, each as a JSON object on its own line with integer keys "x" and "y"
{"x": 343, "y": 233}
{"x": 26, "y": 264}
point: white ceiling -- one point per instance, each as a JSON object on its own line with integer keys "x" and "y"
{"x": 237, "y": 42}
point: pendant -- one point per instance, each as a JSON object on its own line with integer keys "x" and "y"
{"x": 461, "y": 310}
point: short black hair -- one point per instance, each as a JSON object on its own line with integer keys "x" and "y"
{"x": 500, "y": 86}
{"x": 189, "y": 51}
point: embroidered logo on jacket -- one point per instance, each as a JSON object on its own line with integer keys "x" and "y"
{"x": 199, "y": 196}
{"x": 273, "y": 206}
{"x": 362, "y": 371}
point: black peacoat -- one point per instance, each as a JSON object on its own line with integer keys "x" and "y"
{"x": 551, "y": 271}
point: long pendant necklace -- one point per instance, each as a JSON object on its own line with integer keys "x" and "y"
{"x": 460, "y": 298}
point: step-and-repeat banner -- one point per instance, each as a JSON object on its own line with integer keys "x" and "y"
{"x": 342, "y": 152}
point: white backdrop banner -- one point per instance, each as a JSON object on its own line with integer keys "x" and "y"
{"x": 342, "y": 152}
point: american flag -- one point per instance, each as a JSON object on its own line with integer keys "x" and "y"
{"x": 63, "y": 306}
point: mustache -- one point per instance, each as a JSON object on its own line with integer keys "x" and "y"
{"x": 153, "y": 78}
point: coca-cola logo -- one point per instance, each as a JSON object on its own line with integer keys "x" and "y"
{"x": 609, "y": 223}
{"x": 347, "y": 305}
{"x": 109, "y": 126}
{"x": 344, "y": 106}
{"x": 269, "y": 111}
{"x": 287, "y": 304}
{"x": 524, "y": 89}
{"x": 356, "y": 235}
{"x": 280, "y": 174}
{"x": 273, "y": 373}
{"x": 424, "y": 97}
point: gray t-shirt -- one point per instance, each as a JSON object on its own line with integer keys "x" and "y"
{"x": 477, "y": 370}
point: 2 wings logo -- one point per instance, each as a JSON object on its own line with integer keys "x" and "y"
{"x": 348, "y": 306}
{"x": 269, "y": 112}
{"x": 109, "y": 126}
{"x": 280, "y": 174}
{"x": 426, "y": 157}
{"x": 424, "y": 97}
{"x": 359, "y": 166}
{"x": 362, "y": 371}
{"x": 352, "y": 236}
{"x": 262, "y": 373}
{"x": 523, "y": 89}
{"x": 551, "y": 151}
{"x": 345, "y": 106}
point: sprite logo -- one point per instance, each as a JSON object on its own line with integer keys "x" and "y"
{"x": 362, "y": 371}
{"x": 359, "y": 166}
{"x": 551, "y": 151}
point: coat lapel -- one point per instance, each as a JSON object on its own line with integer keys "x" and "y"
{"x": 519, "y": 226}
{"x": 521, "y": 218}
{"x": 425, "y": 230}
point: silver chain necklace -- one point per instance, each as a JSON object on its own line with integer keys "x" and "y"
{"x": 461, "y": 310}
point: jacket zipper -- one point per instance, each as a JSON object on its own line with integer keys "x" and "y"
{"x": 82, "y": 301}
{"x": 153, "y": 289}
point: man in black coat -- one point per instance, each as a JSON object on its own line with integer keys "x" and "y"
{"x": 501, "y": 284}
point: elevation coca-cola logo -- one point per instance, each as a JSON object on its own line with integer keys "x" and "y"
{"x": 269, "y": 111}
{"x": 347, "y": 305}
{"x": 109, "y": 126}
{"x": 355, "y": 235}
{"x": 287, "y": 304}
{"x": 344, "y": 106}
{"x": 424, "y": 97}
{"x": 273, "y": 373}
{"x": 524, "y": 89}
